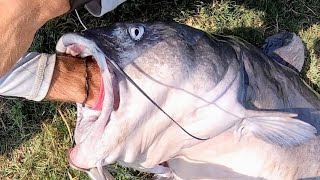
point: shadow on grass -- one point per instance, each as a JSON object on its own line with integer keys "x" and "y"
{"x": 20, "y": 120}
{"x": 316, "y": 48}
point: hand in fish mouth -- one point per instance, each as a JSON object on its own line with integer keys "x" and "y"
{"x": 203, "y": 82}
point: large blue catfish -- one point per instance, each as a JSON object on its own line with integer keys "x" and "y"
{"x": 209, "y": 107}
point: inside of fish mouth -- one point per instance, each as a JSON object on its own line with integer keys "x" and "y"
{"x": 69, "y": 159}
{"x": 85, "y": 49}
{"x": 83, "y": 52}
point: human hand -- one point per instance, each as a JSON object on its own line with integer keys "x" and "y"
{"x": 20, "y": 19}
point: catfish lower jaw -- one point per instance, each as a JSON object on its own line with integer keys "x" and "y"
{"x": 72, "y": 165}
{"x": 115, "y": 87}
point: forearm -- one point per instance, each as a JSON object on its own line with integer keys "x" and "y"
{"x": 68, "y": 80}
{"x": 39, "y": 76}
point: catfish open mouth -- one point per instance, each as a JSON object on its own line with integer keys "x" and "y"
{"x": 74, "y": 46}
{"x": 91, "y": 121}
{"x": 202, "y": 81}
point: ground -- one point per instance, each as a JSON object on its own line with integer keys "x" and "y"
{"x": 35, "y": 136}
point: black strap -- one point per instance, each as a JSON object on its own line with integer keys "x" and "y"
{"x": 77, "y": 3}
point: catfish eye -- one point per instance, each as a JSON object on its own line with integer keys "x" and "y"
{"x": 136, "y": 33}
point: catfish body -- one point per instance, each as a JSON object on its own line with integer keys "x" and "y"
{"x": 260, "y": 117}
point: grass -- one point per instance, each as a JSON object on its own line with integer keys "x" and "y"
{"x": 34, "y": 137}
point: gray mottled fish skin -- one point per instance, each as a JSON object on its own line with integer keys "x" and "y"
{"x": 270, "y": 86}
{"x": 214, "y": 86}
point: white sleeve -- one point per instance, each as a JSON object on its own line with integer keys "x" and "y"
{"x": 30, "y": 77}
{"x": 99, "y": 7}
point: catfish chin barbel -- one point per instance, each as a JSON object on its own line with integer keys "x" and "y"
{"x": 238, "y": 113}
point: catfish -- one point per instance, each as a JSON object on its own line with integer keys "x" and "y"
{"x": 185, "y": 104}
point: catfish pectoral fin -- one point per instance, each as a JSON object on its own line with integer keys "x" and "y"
{"x": 279, "y": 128}
{"x": 102, "y": 174}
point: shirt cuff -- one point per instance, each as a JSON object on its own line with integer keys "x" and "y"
{"x": 44, "y": 76}
{"x": 30, "y": 77}
{"x": 99, "y": 7}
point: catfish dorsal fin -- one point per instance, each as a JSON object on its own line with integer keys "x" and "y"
{"x": 279, "y": 128}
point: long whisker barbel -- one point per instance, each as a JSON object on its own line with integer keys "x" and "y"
{"x": 115, "y": 65}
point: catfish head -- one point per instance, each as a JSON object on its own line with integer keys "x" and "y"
{"x": 158, "y": 57}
